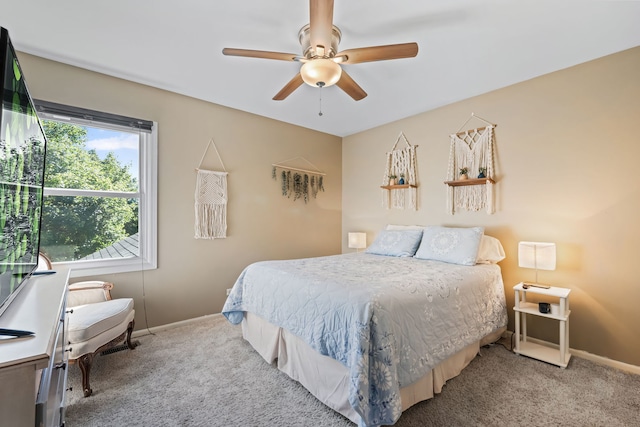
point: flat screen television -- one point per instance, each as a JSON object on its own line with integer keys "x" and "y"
{"x": 22, "y": 161}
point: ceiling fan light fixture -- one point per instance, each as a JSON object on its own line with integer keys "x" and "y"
{"x": 320, "y": 72}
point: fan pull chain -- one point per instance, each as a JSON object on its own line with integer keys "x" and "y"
{"x": 320, "y": 85}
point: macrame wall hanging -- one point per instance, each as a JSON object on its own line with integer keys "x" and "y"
{"x": 400, "y": 176}
{"x": 471, "y": 154}
{"x": 211, "y": 201}
{"x": 298, "y": 182}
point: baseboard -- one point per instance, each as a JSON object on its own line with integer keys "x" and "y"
{"x": 591, "y": 357}
{"x": 147, "y": 331}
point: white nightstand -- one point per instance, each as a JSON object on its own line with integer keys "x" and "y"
{"x": 559, "y": 311}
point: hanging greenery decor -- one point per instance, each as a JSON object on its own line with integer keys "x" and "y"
{"x": 300, "y": 184}
{"x": 297, "y": 186}
{"x": 284, "y": 181}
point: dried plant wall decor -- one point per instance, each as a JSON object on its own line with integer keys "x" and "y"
{"x": 297, "y": 182}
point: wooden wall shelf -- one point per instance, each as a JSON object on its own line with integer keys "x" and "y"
{"x": 470, "y": 181}
{"x": 398, "y": 186}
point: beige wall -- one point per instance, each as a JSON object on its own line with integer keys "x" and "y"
{"x": 567, "y": 159}
{"x": 192, "y": 275}
{"x": 567, "y": 172}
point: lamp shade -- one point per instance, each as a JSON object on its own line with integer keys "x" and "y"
{"x": 357, "y": 240}
{"x": 538, "y": 255}
{"x": 320, "y": 72}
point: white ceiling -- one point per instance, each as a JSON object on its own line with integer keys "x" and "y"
{"x": 466, "y": 48}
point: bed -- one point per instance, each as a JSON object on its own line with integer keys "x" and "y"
{"x": 370, "y": 334}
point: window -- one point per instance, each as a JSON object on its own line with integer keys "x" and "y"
{"x": 99, "y": 213}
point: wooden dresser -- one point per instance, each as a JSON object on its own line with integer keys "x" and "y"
{"x": 33, "y": 370}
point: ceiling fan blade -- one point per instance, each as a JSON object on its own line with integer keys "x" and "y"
{"x": 260, "y": 54}
{"x": 347, "y": 84}
{"x": 378, "y": 53}
{"x": 320, "y": 24}
{"x": 293, "y": 84}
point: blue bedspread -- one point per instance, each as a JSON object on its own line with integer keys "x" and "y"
{"x": 389, "y": 320}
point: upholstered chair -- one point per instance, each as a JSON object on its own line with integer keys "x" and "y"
{"x": 96, "y": 322}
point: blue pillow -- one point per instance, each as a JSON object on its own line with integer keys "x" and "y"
{"x": 402, "y": 243}
{"x": 452, "y": 245}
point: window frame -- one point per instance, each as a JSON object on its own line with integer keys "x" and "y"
{"x": 147, "y": 194}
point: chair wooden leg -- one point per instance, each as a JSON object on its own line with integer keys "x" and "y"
{"x": 86, "y": 360}
{"x": 85, "y": 366}
{"x": 129, "y": 332}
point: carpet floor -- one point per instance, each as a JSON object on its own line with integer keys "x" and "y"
{"x": 205, "y": 374}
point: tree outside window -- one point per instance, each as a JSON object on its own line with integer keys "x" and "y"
{"x": 91, "y": 202}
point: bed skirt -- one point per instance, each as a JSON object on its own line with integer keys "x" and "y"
{"x": 328, "y": 380}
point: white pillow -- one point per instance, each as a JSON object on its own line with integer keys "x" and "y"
{"x": 490, "y": 251}
{"x": 449, "y": 244}
{"x": 405, "y": 227}
{"x": 402, "y": 243}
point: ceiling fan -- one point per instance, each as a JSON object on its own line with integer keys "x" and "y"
{"x": 320, "y": 58}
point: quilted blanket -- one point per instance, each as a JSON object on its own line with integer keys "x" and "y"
{"x": 389, "y": 320}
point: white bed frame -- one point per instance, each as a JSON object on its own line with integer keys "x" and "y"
{"x": 328, "y": 380}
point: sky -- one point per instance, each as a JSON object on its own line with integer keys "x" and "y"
{"x": 123, "y": 144}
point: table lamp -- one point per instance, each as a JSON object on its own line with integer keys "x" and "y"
{"x": 537, "y": 255}
{"x": 357, "y": 241}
